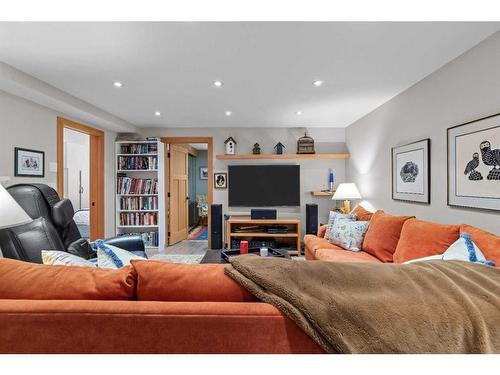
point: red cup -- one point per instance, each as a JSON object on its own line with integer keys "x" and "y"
{"x": 244, "y": 247}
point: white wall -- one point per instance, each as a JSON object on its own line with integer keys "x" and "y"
{"x": 314, "y": 173}
{"x": 466, "y": 89}
{"x": 29, "y": 125}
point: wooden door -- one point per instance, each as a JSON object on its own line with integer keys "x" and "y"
{"x": 179, "y": 200}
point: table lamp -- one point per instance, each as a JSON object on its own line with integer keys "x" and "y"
{"x": 346, "y": 192}
{"x": 11, "y": 213}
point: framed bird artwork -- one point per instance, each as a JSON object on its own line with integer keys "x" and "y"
{"x": 474, "y": 164}
{"x": 411, "y": 172}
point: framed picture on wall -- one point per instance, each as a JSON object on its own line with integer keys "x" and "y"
{"x": 203, "y": 173}
{"x": 474, "y": 164}
{"x": 220, "y": 180}
{"x": 29, "y": 163}
{"x": 411, "y": 172}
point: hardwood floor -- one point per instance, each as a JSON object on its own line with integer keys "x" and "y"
{"x": 185, "y": 247}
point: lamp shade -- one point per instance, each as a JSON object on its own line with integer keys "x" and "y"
{"x": 346, "y": 191}
{"x": 11, "y": 213}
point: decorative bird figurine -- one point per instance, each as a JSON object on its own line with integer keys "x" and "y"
{"x": 471, "y": 166}
{"x": 492, "y": 158}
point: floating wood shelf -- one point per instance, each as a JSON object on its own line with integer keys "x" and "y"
{"x": 284, "y": 156}
{"x": 322, "y": 193}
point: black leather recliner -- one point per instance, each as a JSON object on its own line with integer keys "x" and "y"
{"x": 53, "y": 227}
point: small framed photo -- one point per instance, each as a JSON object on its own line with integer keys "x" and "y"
{"x": 411, "y": 172}
{"x": 220, "y": 180}
{"x": 474, "y": 164}
{"x": 203, "y": 173}
{"x": 29, "y": 163}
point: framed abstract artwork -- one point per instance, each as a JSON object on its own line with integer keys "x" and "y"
{"x": 29, "y": 163}
{"x": 411, "y": 172}
{"x": 474, "y": 164}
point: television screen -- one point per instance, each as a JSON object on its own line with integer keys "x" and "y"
{"x": 264, "y": 185}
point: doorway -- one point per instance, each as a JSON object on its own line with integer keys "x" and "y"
{"x": 189, "y": 187}
{"x": 80, "y": 174}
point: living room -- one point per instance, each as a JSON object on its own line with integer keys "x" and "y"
{"x": 250, "y": 187}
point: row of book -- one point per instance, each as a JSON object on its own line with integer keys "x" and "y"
{"x": 138, "y": 218}
{"x": 129, "y": 185}
{"x": 150, "y": 239}
{"x": 139, "y": 148}
{"x": 139, "y": 203}
{"x": 137, "y": 162}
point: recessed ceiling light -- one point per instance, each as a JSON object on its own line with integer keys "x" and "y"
{"x": 218, "y": 83}
{"x": 298, "y": 113}
{"x": 157, "y": 113}
{"x": 317, "y": 83}
{"x": 117, "y": 84}
{"x": 228, "y": 113}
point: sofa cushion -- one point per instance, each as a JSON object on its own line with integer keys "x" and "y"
{"x": 349, "y": 234}
{"x": 322, "y": 231}
{"x": 335, "y": 217}
{"x": 344, "y": 256}
{"x": 313, "y": 243}
{"x": 22, "y": 280}
{"x": 382, "y": 236}
{"x": 422, "y": 238}
{"x": 486, "y": 241}
{"x": 163, "y": 281}
{"x": 362, "y": 214}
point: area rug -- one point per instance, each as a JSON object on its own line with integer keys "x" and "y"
{"x": 179, "y": 258}
{"x": 200, "y": 233}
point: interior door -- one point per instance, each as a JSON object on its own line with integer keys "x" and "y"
{"x": 179, "y": 199}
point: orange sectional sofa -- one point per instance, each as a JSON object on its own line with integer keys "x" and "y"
{"x": 150, "y": 307}
{"x": 397, "y": 239}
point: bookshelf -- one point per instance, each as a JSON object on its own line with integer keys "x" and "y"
{"x": 139, "y": 190}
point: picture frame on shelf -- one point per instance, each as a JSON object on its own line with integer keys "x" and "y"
{"x": 473, "y": 151}
{"x": 411, "y": 172}
{"x": 203, "y": 173}
{"x": 220, "y": 180}
{"x": 29, "y": 163}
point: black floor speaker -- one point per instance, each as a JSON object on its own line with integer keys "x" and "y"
{"x": 216, "y": 230}
{"x": 311, "y": 218}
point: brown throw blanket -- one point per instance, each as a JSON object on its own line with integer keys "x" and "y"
{"x": 425, "y": 307}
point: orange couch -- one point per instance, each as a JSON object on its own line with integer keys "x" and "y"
{"x": 150, "y": 307}
{"x": 397, "y": 239}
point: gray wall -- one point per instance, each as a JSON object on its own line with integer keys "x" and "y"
{"x": 466, "y": 89}
{"x": 314, "y": 173}
{"x": 201, "y": 161}
{"x": 29, "y": 125}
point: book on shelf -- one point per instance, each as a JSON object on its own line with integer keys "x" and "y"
{"x": 138, "y": 218}
{"x": 151, "y": 239}
{"x": 138, "y": 203}
{"x": 129, "y": 185}
{"x": 145, "y": 163}
{"x": 139, "y": 148}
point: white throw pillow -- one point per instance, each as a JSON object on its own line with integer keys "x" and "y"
{"x": 109, "y": 256}
{"x": 63, "y": 258}
{"x": 462, "y": 249}
{"x": 348, "y": 234}
{"x": 335, "y": 217}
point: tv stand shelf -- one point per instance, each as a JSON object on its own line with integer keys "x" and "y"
{"x": 235, "y": 222}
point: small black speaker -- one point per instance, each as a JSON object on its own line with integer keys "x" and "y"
{"x": 263, "y": 214}
{"x": 216, "y": 231}
{"x": 311, "y": 218}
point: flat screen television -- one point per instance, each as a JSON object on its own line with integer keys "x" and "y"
{"x": 264, "y": 185}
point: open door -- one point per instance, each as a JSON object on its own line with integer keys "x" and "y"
{"x": 178, "y": 199}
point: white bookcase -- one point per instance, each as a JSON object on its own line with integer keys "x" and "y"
{"x": 139, "y": 207}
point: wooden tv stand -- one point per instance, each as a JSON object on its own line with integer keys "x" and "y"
{"x": 235, "y": 222}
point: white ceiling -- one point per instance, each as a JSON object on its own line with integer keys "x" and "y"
{"x": 199, "y": 146}
{"x": 267, "y": 68}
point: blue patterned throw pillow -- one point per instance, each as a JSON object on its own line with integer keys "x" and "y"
{"x": 349, "y": 234}
{"x": 335, "y": 217}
